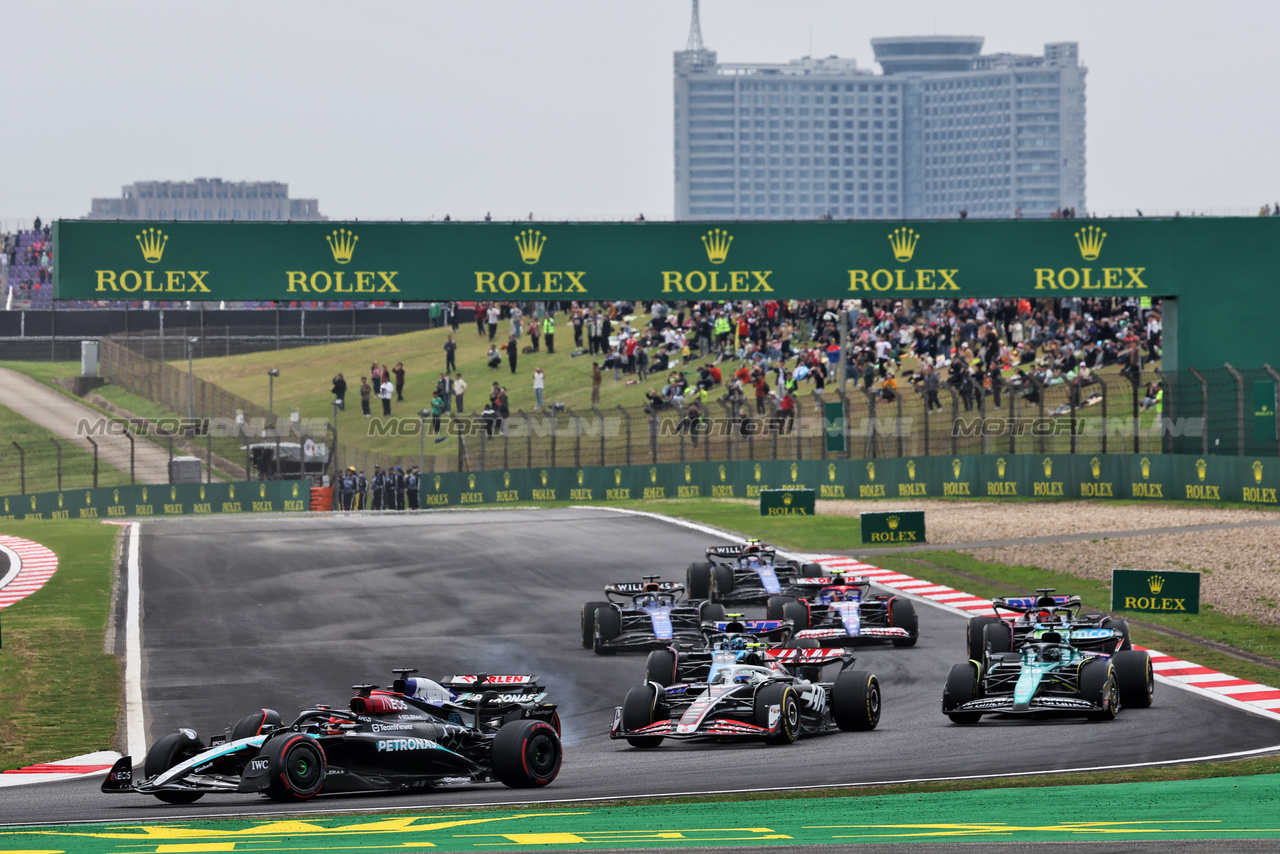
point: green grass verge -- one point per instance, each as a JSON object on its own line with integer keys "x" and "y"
{"x": 42, "y": 460}
{"x": 53, "y": 650}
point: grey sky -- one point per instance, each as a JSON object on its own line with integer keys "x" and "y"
{"x": 386, "y": 110}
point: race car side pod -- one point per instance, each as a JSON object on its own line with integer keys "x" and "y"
{"x": 120, "y": 777}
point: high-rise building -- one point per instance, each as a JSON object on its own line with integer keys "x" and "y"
{"x": 209, "y": 199}
{"x": 944, "y": 129}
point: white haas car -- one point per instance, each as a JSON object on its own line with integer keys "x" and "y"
{"x": 754, "y": 695}
{"x": 839, "y": 610}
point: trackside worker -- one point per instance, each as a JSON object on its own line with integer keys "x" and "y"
{"x": 549, "y": 332}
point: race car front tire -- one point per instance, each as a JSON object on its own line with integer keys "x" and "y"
{"x": 997, "y": 637}
{"x": 169, "y": 751}
{"x": 711, "y": 612}
{"x": 295, "y": 767}
{"x": 526, "y": 754}
{"x": 1134, "y": 678}
{"x": 788, "y": 702}
{"x": 608, "y": 627}
{"x": 1098, "y": 685}
{"x": 589, "y": 622}
{"x": 962, "y": 687}
{"x": 902, "y": 615}
{"x": 1121, "y": 626}
{"x": 798, "y": 613}
{"x": 721, "y": 582}
{"x": 255, "y": 724}
{"x": 855, "y": 700}
{"x": 642, "y": 706}
{"x": 973, "y": 635}
{"x": 698, "y": 580}
{"x": 660, "y": 667}
{"x": 773, "y": 606}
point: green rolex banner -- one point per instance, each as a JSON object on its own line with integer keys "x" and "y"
{"x": 787, "y": 502}
{"x": 1264, "y": 411}
{"x": 891, "y": 528}
{"x": 833, "y": 413}
{"x": 1155, "y": 592}
{"x": 179, "y": 499}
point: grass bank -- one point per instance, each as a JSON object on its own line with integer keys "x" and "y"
{"x": 59, "y": 688}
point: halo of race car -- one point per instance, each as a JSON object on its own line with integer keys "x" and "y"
{"x": 710, "y": 675}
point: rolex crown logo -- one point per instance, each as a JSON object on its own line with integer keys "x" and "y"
{"x": 115, "y": 496}
{"x": 1048, "y": 467}
{"x": 1095, "y": 467}
{"x": 152, "y": 241}
{"x": 717, "y": 243}
{"x": 59, "y": 499}
{"x": 173, "y": 493}
{"x": 542, "y": 475}
{"x": 144, "y": 493}
{"x": 295, "y": 490}
{"x": 581, "y": 475}
{"x": 342, "y": 244}
{"x": 955, "y": 467}
{"x": 688, "y": 473}
{"x": 530, "y": 243}
{"x": 617, "y": 477}
{"x": 1146, "y": 467}
{"x": 437, "y": 483}
{"x": 831, "y": 471}
{"x": 1201, "y": 468}
{"x": 723, "y": 474}
{"x": 506, "y": 479}
{"x": 903, "y": 241}
{"x": 1257, "y": 471}
{"x": 893, "y": 522}
{"x": 653, "y": 474}
{"x": 471, "y": 481}
{"x": 1000, "y": 466}
{"x": 871, "y": 471}
{"x": 202, "y": 493}
{"x": 1156, "y": 584}
{"x": 88, "y": 498}
{"x": 1089, "y": 239}
{"x": 262, "y": 490}
{"x": 231, "y": 493}
{"x": 911, "y": 469}
{"x": 786, "y": 499}
{"x": 795, "y": 471}
{"x": 755, "y": 472}
{"x": 33, "y": 502}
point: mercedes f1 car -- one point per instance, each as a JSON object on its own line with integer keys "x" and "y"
{"x": 650, "y": 614}
{"x": 744, "y": 573}
{"x": 1027, "y": 617}
{"x": 752, "y": 701}
{"x": 474, "y": 728}
{"x": 1048, "y": 676}
{"x": 845, "y": 611}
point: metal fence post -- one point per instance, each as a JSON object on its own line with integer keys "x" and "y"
{"x": 1040, "y": 387}
{"x": 1073, "y": 400}
{"x": 600, "y": 425}
{"x": 58, "y": 449}
{"x": 871, "y": 447}
{"x": 95, "y": 461}
{"x": 955, "y": 418}
{"x": 627, "y": 416}
{"x": 653, "y": 436}
{"x": 897, "y": 428}
{"x": 1105, "y": 395}
{"x": 555, "y": 429}
{"x": 129, "y": 436}
{"x": 1204, "y": 412}
{"x": 577, "y": 438}
{"x": 464, "y": 459}
{"x": 1239, "y": 407}
{"x": 22, "y": 468}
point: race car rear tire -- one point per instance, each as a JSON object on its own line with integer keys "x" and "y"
{"x": 698, "y": 580}
{"x": 169, "y": 751}
{"x": 526, "y": 754}
{"x": 773, "y": 606}
{"x": 660, "y": 667}
{"x": 589, "y": 622}
{"x": 998, "y": 637}
{"x": 962, "y": 687}
{"x": 785, "y": 697}
{"x": 721, "y": 582}
{"x": 813, "y": 570}
{"x": 973, "y": 635}
{"x": 798, "y": 613}
{"x": 1134, "y": 678}
{"x": 711, "y": 612}
{"x": 255, "y": 724}
{"x": 608, "y": 627}
{"x": 902, "y": 615}
{"x": 1121, "y": 626}
{"x": 855, "y": 700}
{"x": 1098, "y": 685}
{"x": 641, "y": 707}
{"x": 295, "y": 767}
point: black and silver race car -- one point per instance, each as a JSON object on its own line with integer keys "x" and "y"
{"x": 745, "y": 573}
{"x": 475, "y": 728}
{"x": 756, "y": 702}
{"x": 649, "y": 614}
{"x": 1048, "y": 676}
{"x": 1025, "y": 617}
{"x": 843, "y": 610}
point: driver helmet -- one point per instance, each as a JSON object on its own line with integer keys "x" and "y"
{"x": 835, "y": 595}
{"x": 736, "y": 643}
{"x": 744, "y": 678}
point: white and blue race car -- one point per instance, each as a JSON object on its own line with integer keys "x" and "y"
{"x": 842, "y": 611}
{"x": 645, "y": 615}
{"x": 745, "y": 573}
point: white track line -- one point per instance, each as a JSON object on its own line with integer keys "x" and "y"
{"x": 135, "y": 733}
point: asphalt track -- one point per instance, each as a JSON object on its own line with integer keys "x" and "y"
{"x": 285, "y": 612}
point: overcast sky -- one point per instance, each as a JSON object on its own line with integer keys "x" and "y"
{"x": 388, "y": 110}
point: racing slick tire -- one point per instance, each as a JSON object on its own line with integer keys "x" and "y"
{"x": 973, "y": 635}
{"x": 783, "y": 696}
{"x": 711, "y": 612}
{"x": 698, "y": 579}
{"x": 660, "y": 667}
{"x": 774, "y": 604}
{"x": 813, "y": 570}
{"x": 902, "y": 615}
{"x": 798, "y": 613}
{"x": 608, "y": 627}
{"x": 295, "y": 767}
{"x": 1135, "y": 678}
{"x": 526, "y": 754}
{"x": 998, "y": 637}
{"x": 169, "y": 751}
{"x": 1121, "y": 626}
{"x": 641, "y": 707}
{"x": 721, "y": 582}
{"x": 855, "y": 700}
{"x": 589, "y": 622}
{"x": 251, "y": 725}
{"x": 962, "y": 687}
{"x": 1098, "y": 685}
